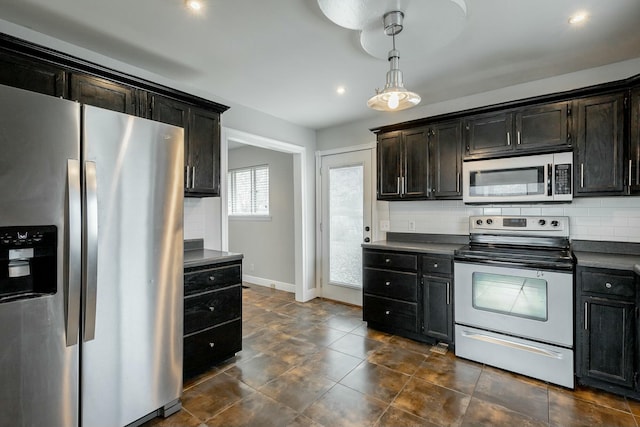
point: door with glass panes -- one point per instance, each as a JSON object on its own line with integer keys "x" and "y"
{"x": 345, "y": 223}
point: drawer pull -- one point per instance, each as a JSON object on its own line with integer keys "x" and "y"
{"x": 435, "y": 265}
{"x": 211, "y": 308}
{"x": 387, "y": 312}
{"x": 212, "y": 278}
{"x": 387, "y": 260}
{"x": 211, "y": 344}
{"x": 387, "y": 283}
{"x": 607, "y": 285}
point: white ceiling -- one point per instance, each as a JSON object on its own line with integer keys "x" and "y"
{"x": 284, "y": 57}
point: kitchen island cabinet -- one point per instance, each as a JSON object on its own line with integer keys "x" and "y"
{"x": 212, "y": 308}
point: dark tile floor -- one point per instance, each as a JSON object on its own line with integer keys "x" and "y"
{"x": 317, "y": 364}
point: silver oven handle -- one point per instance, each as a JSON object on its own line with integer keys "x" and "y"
{"x": 90, "y": 253}
{"x": 73, "y": 247}
{"x": 516, "y": 345}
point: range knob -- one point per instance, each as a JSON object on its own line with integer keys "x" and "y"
{"x": 542, "y": 222}
{"x": 554, "y": 223}
{"x": 489, "y": 221}
{"x": 479, "y": 221}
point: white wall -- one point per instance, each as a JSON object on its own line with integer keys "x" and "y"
{"x": 601, "y": 218}
{"x": 615, "y": 218}
{"x": 268, "y": 246}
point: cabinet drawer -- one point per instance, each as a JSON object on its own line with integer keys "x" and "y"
{"x": 211, "y": 279}
{"x": 391, "y": 313}
{"x": 206, "y": 348}
{"x": 392, "y": 284}
{"x": 436, "y": 265}
{"x": 606, "y": 283}
{"x": 206, "y": 310}
{"x": 390, "y": 260}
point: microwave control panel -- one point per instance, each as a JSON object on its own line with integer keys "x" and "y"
{"x": 562, "y": 179}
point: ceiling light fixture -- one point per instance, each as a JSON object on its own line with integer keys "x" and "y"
{"x": 577, "y": 18}
{"x": 394, "y": 96}
{"x": 195, "y": 5}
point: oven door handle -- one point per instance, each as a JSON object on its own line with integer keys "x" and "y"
{"x": 512, "y": 344}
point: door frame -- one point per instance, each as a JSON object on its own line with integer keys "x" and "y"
{"x": 374, "y": 214}
{"x": 303, "y": 232}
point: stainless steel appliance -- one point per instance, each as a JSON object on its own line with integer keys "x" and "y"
{"x": 90, "y": 264}
{"x": 514, "y": 296}
{"x": 537, "y": 178}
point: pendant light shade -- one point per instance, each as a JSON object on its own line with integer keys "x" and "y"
{"x": 394, "y": 96}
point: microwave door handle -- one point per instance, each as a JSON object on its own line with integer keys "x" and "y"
{"x": 549, "y": 178}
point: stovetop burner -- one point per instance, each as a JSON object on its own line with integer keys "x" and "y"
{"x": 523, "y": 241}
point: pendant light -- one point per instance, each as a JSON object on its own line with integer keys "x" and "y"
{"x": 394, "y": 96}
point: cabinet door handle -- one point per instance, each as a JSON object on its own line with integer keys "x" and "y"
{"x": 448, "y": 293}
{"x": 586, "y": 316}
{"x": 212, "y": 344}
{"x": 193, "y": 176}
{"x": 519, "y": 139}
{"x": 387, "y": 283}
{"x": 186, "y": 185}
{"x": 387, "y": 312}
{"x": 607, "y": 285}
{"x": 211, "y": 308}
{"x": 398, "y": 186}
{"x": 212, "y": 278}
{"x": 387, "y": 260}
{"x": 435, "y": 265}
{"x": 630, "y": 164}
{"x": 458, "y": 182}
{"x": 404, "y": 187}
{"x": 581, "y": 175}
{"x": 508, "y": 139}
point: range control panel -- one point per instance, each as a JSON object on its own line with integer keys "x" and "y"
{"x": 501, "y": 224}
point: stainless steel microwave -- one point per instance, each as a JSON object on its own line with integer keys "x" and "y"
{"x": 537, "y": 178}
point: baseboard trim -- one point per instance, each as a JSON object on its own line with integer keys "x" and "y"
{"x": 268, "y": 283}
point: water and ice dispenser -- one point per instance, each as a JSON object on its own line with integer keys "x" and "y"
{"x": 28, "y": 262}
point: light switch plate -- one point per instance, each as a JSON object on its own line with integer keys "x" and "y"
{"x": 384, "y": 225}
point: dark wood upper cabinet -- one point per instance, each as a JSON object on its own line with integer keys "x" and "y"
{"x": 201, "y": 143}
{"x": 598, "y": 163}
{"x": 489, "y": 133}
{"x": 102, "y": 93}
{"x": 203, "y": 147}
{"x": 633, "y": 166}
{"x": 533, "y": 128}
{"x": 542, "y": 126}
{"x": 32, "y": 75}
{"x": 445, "y": 145}
{"x": 403, "y": 165}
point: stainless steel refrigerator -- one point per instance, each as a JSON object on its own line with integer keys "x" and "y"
{"x": 91, "y": 286}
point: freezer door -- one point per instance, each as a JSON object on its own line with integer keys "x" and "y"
{"x": 39, "y": 165}
{"x": 133, "y": 267}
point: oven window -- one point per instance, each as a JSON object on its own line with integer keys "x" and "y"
{"x": 507, "y": 182}
{"x": 510, "y": 295}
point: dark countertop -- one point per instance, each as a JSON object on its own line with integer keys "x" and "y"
{"x": 613, "y": 255}
{"x": 195, "y": 255}
{"x": 422, "y": 243}
{"x": 425, "y": 248}
{"x": 607, "y": 260}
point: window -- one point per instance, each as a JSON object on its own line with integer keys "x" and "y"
{"x": 249, "y": 191}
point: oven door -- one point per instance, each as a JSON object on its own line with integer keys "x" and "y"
{"x": 533, "y": 304}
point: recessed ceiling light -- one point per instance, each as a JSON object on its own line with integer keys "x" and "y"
{"x": 341, "y": 90}
{"x": 194, "y": 5}
{"x": 577, "y": 18}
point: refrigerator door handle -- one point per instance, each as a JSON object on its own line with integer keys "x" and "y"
{"x": 74, "y": 252}
{"x": 90, "y": 253}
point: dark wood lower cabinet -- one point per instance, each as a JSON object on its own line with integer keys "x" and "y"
{"x": 606, "y": 330}
{"x": 409, "y": 294}
{"x": 212, "y": 315}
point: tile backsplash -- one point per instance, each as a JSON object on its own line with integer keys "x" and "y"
{"x": 194, "y": 214}
{"x": 605, "y": 218}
